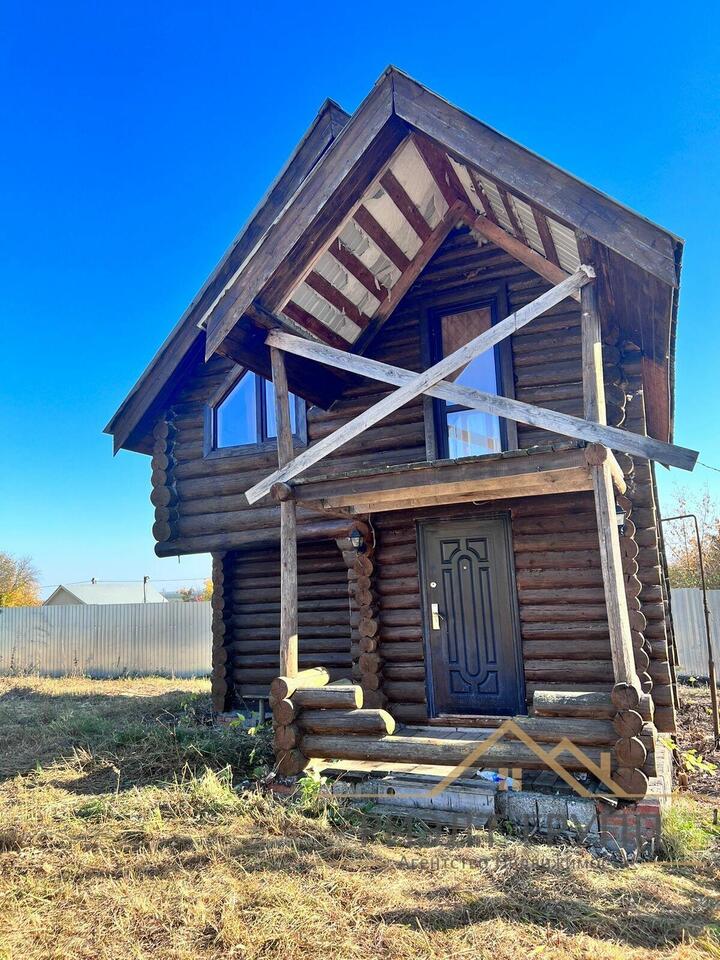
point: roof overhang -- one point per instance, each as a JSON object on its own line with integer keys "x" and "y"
{"x": 185, "y": 346}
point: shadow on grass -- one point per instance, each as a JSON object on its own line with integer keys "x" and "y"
{"x": 115, "y": 742}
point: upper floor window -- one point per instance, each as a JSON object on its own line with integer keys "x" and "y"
{"x": 463, "y": 432}
{"x": 245, "y": 415}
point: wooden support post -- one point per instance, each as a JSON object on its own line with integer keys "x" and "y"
{"x": 610, "y": 557}
{"x": 288, "y": 525}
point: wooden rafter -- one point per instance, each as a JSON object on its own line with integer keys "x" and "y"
{"x": 546, "y": 236}
{"x": 357, "y": 268}
{"x": 422, "y": 382}
{"x": 311, "y": 322}
{"x": 482, "y": 196}
{"x": 516, "y": 248}
{"x": 336, "y": 298}
{"x": 421, "y": 259}
{"x": 367, "y": 222}
{"x": 441, "y": 170}
{"x": 512, "y": 216}
{"x": 581, "y": 429}
{"x": 405, "y": 205}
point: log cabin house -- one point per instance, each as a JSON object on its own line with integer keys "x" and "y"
{"x": 414, "y": 415}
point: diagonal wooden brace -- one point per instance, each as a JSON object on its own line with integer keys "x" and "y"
{"x": 423, "y": 381}
{"x": 634, "y": 444}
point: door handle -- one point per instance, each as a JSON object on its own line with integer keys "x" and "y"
{"x": 435, "y": 616}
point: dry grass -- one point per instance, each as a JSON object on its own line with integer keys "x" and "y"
{"x": 121, "y": 837}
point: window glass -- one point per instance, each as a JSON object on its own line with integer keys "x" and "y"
{"x": 236, "y": 420}
{"x": 471, "y": 432}
{"x": 246, "y": 415}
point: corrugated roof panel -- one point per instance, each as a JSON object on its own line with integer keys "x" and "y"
{"x": 413, "y": 175}
{"x": 465, "y": 179}
{"x": 498, "y": 207}
{"x": 524, "y": 213}
{"x": 565, "y": 244}
{"x": 393, "y": 222}
{"x": 334, "y": 272}
{"x": 305, "y": 297}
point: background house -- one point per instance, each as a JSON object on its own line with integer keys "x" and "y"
{"x": 93, "y": 592}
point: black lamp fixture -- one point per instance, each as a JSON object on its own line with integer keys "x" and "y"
{"x": 620, "y": 519}
{"x": 357, "y": 540}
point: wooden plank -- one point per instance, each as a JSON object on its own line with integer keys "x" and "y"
{"x": 573, "y": 480}
{"x": 610, "y": 556}
{"x": 613, "y": 437}
{"x": 436, "y": 477}
{"x": 288, "y": 525}
{"x": 516, "y": 248}
{"x": 405, "y": 205}
{"x": 358, "y": 269}
{"x": 445, "y": 367}
{"x": 534, "y": 179}
{"x": 367, "y": 222}
{"x": 592, "y": 361}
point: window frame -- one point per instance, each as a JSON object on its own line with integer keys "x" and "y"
{"x": 265, "y": 443}
{"x": 436, "y": 410}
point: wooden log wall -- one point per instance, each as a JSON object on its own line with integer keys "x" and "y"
{"x": 364, "y": 623}
{"x": 649, "y": 580}
{"x": 252, "y": 590}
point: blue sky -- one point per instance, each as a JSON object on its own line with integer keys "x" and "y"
{"x": 136, "y": 138}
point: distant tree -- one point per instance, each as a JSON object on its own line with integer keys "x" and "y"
{"x": 187, "y": 594}
{"x": 207, "y": 591}
{"x": 681, "y": 540}
{"x": 19, "y": 585}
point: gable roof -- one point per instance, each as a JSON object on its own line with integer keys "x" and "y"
{"x": 185, "y": 344}
{"x": 104, "y": 593}
{"x": 341, "y": 249}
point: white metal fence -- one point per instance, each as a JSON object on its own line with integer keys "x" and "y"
{"x": 689, "y": 622}
{"x": 175, "y": 639}
{"x": 170, "y": 639}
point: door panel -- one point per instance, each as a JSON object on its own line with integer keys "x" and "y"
{"x": 471, "y": 637}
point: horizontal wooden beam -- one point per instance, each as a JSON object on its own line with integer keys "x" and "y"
{"x": 516, "y": 248}
{"x": 623, "y": 440}
{"x": 419, "y": 383}
{"x": 444, "y": 476}
{"x": 571, "y": 480}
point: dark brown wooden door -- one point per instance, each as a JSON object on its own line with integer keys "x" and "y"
{"x": 472, "y": 646}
